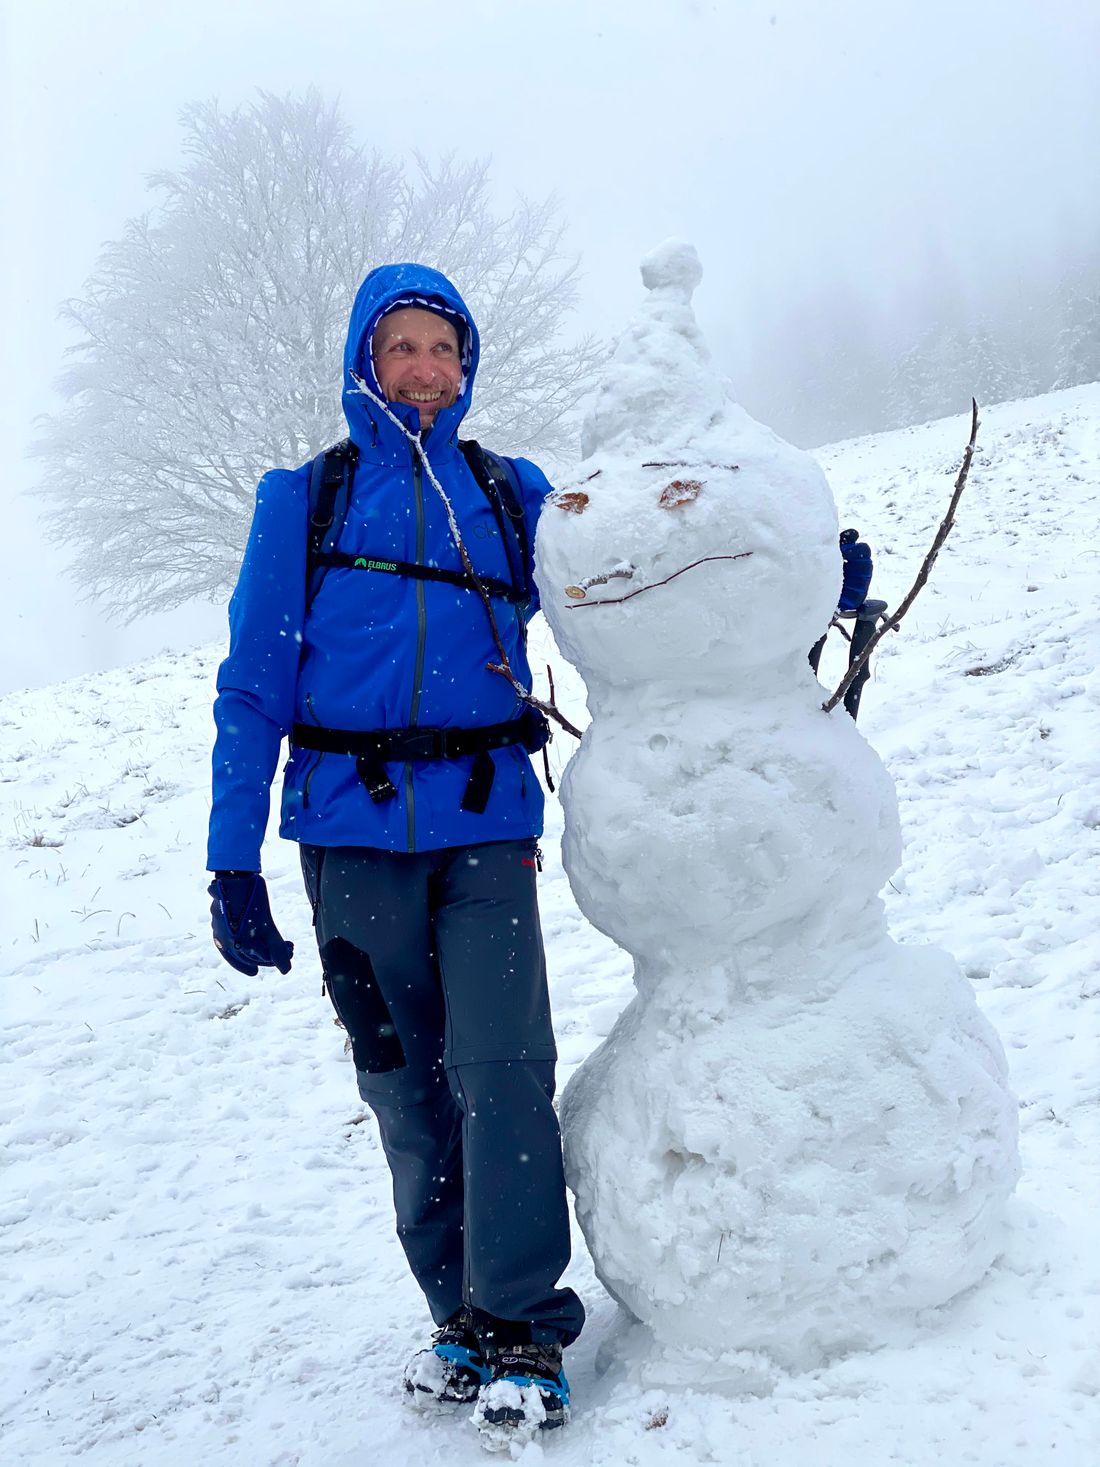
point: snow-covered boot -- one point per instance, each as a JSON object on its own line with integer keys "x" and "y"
{"x": 452, "y": 1369}
{"x": 526, "y": 1392}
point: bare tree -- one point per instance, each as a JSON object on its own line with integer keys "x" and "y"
{"x": 211, "y": 337}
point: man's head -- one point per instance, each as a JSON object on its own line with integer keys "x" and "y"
{"x": 418, "y": 360}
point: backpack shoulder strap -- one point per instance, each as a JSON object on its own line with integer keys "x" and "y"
{"x": 497, "y": 479}
{"x": 330, "y": 480}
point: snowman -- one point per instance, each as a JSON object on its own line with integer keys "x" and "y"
{"x": 798, "y": 1133}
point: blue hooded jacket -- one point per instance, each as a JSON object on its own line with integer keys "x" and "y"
{"x": 375, "y": 651}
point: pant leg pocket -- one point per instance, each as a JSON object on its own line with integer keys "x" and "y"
{"x": 361, "y": 1008}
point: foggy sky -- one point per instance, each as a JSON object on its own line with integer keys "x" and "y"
{"x": 797, "y": 144}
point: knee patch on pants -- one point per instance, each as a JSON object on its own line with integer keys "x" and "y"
{"x": 361, "y": 1007}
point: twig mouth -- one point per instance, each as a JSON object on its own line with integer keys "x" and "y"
{"x": 580, "y": 601}
{"x": 623, "y": 571}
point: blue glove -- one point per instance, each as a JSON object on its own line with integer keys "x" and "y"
{"x": 244, "y": 932}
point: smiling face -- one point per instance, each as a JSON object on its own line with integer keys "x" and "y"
{"x": 417, "y": 360}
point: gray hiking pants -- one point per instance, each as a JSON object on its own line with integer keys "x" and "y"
{"x": 434, "y": 964}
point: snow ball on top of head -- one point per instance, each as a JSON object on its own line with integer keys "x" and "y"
{"x": 673, "y": 266}
{"x": 659, "y": 391}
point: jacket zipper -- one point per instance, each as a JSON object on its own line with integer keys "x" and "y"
{"x": 421, "y": 637}
{"x": 313, "y": 768}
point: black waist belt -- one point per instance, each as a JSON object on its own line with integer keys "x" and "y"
{"x": 374, "y": 749}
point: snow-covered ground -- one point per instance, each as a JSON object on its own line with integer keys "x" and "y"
{"x": 196, "y": 1253}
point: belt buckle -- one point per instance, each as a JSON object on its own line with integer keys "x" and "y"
{"x": 422, "y": 744}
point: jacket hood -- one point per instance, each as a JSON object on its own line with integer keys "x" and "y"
{"x": 385, "y": 288}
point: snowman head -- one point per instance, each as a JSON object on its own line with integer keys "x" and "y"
{"x": 692, "y": 545}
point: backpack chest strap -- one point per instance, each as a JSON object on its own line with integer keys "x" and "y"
{"x": 385, "y": 566}
{"x": 330, "y": 484}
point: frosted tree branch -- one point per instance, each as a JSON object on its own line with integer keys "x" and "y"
{"x": 210, "y": 337}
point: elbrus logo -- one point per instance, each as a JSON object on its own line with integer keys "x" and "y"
{"x": 362, "y": 563}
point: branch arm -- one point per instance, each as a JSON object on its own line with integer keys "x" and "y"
{"x": 891, "y": 623}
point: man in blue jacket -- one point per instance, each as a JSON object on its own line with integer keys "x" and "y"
{"x": 410, "y": 791}
{"x": 854, "y": 605}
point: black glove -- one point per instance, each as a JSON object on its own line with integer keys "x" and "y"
{"x": 244, "y": 932}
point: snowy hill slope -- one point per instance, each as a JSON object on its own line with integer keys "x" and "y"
{"x": 197, "y": 1256}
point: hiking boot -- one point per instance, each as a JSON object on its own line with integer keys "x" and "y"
{"x": 526, "y": 1392}
{"x": 452, "y": 1369}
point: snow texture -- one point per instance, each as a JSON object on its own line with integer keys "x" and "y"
{"x": 521, "y": 1400}
{"x": 427, "y": 1377}
{"x": 799, "y": 1135}
{"x": 197, "y": 1252}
